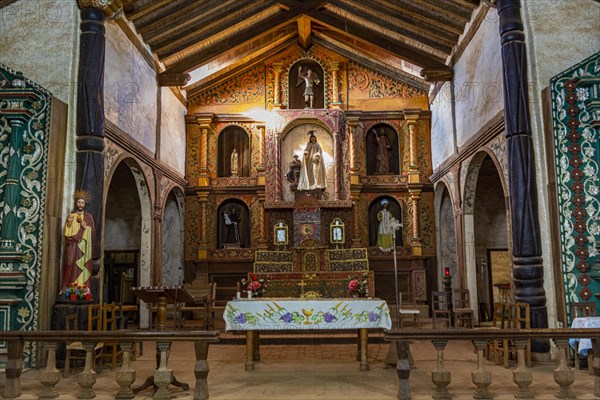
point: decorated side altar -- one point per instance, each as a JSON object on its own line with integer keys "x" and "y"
{"x": 305, "y": 314}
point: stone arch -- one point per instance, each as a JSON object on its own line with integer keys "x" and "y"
{"x": 486, "y": 233}
{"x": 446, "y": 233}
{"x": 232, "y": 137}
{"x": 173, "y": 238}
{"x": 128, "y": 223}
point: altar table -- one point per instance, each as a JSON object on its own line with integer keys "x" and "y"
{"x": 302, "y": 314}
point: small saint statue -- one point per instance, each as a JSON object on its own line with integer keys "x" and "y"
{"x": 310, "y": 79}
{"x": 293, "y": 174}
{"x": 234, "y": 163}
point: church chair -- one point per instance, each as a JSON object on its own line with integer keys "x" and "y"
{"x": 75, "y": 350}
{"x": 581, "y": 310}
{"x": 199, "y": 308}
{"x": 462, "y": 313}
{"x": 518, "y": 318}
{"x": 216, "y": 308}
{"x": 112, "y": 320}
{"x": 440, "y": 311}
{"x": 408, "y": 311}
{"x": 498, "y": 321}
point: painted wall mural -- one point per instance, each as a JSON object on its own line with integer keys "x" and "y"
{"x": 576, "y": 114}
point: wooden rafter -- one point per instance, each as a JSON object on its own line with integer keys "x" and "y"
{"x": 414, "y": 55}
{"x": 304, "y": 32}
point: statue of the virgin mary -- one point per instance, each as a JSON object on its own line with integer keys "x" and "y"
{"x": 312, "y": 174}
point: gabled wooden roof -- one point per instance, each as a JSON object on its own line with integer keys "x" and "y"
{"x": 226, "y": 36}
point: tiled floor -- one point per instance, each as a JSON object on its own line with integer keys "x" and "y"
{"x": 315, "y": 368}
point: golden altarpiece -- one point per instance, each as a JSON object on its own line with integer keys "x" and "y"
{"x": 288, "y": 164}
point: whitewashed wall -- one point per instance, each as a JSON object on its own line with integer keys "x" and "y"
{"x": 172, "y": 131}
{"x": 561, "y": 33}
{"x": 130, "y": 88}
{"x": 478, "y": 80}
{"x": 442, "y": 130}
{"x": 41, "y": 39}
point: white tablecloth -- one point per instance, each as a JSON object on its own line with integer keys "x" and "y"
{"x": 283, "y": 314}
{"x": 585, "y": 345}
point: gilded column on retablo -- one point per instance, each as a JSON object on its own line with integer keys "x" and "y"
{"x": 413, "y": 166}
{"x": 416, "y": 239}
{"x": 261, "y": 148}
{"x": 335, "y": 67}
{"x": 277, "y": 68}
{"x": 352, "y": 124}
{"x": 203, "y": 248}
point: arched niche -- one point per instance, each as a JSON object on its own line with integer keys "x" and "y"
{"x": 127, "y": 234}
{"x": 383, "y": 152}
{"x": 487, "y": 245}
{"x": 446, "y": 234}
{"x": 230, "y": 138}
{"x": 294, "y": 142}
{"x": 172, "y": 240}
{"x": 226, "y": 237}
{"x": 374, "y": 208}
{"x": 297, "y": 85}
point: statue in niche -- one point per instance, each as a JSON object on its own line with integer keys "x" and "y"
{"x": 234, "y": 163}
{"x": 312, "y": 171}
{"x": 309, "y": 78}
{"x": 293, "y": 174}
{"x": 232, "y": 229}
{"x": 385, "y": 237}
{"x": 384, "y": 149}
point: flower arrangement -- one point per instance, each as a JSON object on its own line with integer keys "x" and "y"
{"x": 359, "y": 286}
{"x": 76, "y": 292}
{"x": 254, "y": 284}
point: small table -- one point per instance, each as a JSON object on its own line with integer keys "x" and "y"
{"x": 303, "y": 314}
{"x": 585, "y": 345}
{"x": 161, "y": 296}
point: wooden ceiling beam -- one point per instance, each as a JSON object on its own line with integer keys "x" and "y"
{"x": 169, "y": 43}
{"x": 155, "y": 13}
{"x": 213, "y": 49}
{"x": 405, "y": 51}
{"x": 471, "y": 4}
{"x": 414, "y": 14}
{"x": 439, "y": 10}
{"x": 242, "y": 64}
{"x": 184, "y": 16}
{"x": 439, "y": 30}
{"x": 304, "y": 32}
{"x": 137, "y": 9}
{"x": 383, "y": 20}
{"x": 5, "y": 3}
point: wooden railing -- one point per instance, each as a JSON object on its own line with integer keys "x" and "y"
{"x": 481, "y": 377}
{"x": 50, "y": 376}
{"x": 125, "y": 376}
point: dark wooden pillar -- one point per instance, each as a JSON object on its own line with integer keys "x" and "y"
{"x": 90, "y": 112}
{"x": 528, "y": 269}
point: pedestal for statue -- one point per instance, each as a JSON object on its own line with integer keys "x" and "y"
{"x": 60, "y": 310}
